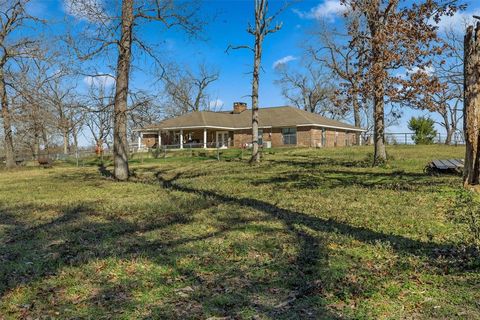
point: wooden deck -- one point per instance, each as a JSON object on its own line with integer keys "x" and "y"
{"x": 448, "y": 164}
{"x": 445, "y": 166}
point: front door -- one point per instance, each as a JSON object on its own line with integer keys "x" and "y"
{"x": 222, "y": 139}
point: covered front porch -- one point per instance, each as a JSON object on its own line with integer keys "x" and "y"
{"x": 185, "y": 138}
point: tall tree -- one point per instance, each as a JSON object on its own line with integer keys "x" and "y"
{"x": 120, "y": 141}
{"x": 400, "y": 35}
{"x": 107, "y": 28}
{"x": 471, "y": 119}
{"x": 262, "y": 28}
{"x": 13, "y": 17}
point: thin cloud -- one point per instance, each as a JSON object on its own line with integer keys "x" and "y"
{"x": 217, "y": 103}
{"x": 329, "y": 9}
{"x": 283, "y": 61}
{"x": 428, "y": 70}
{"x": 100, "y": 80}
{"x": 458, "y": 22}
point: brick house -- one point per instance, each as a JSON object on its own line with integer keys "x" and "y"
{"x": 278, "y": 127}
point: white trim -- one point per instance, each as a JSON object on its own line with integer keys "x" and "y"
{"x": 260, "y": 127}
{"x": 331, "y": 127}
{"x": 198, "y": 127}
{"x": 181, "y": 138}
{"x": 205, "y": 138}
{"x": 140, "y": 137}
{"x": 201, "y": 127}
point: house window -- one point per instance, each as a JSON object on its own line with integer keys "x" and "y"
{"x": 289, "y": 135}
{"x": 260, "y": 137}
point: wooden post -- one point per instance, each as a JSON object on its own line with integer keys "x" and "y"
{"x": 181, "y": 138}
{"x": 471, "y": 109}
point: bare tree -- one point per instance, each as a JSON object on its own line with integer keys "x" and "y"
{"x": 13, "y": 17}
{"x": 68, "y": 115}
{"x": 99, "y": 108}
{"x": 263, "y": 27}
{"x": 309, "y": 88}
{"x": 449, "y": 69}
{"x": 109, "y": 28}
{"x": 33, "y": 112}
{"x": 145, "y": 109}
{"x": 346, "y": 61}
{"x": 186, "y": 90}
{"x": 398, "y": 36}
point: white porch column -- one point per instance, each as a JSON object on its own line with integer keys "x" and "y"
{"x": 159, "y": 139}
{"x": 139, "y": 145}
{"x": 205, "y": 138}
{"x": 181, "y": 138}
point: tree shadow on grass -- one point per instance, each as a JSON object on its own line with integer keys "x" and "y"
{"x": 37, "y": 253}
{"x": 288, "y": 289}
{"x": 34, "y": 252}
{"x": 304, "y": 276}
{"x": 401, "y": 244}
{"x": 338, "y": 178}
{"x": 314, "y": 163}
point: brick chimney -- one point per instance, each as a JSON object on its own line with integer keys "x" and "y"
{"x": 239, "y": 107}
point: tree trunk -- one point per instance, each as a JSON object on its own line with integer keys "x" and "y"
{"x": 448, "y": 139}
{"x": 471, "y": 118}
{"x": 448, "y": 127}
{"x": 120, "y": 143}
{"x": 356, "y": 117}
{"x": 380, "y": 154}
{"x": 66, "y": 143}
{"x": 7, "y": 124}
{"x": 46, "y": 147}
{"x": 75, "y": 138}
{"x": 255, "y": 83}
{"x": 36, "y": 144}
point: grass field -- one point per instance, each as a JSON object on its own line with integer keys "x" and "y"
{"x": 307, "y": 234}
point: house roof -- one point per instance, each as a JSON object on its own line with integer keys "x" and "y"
{"x": 285, "y": 116}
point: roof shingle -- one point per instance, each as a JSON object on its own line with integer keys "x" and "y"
{"x": 268, "y": 117}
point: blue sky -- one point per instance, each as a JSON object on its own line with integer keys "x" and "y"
{"x": 227, "y": 25}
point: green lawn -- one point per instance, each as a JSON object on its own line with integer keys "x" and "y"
{"x": 308, "y": 234}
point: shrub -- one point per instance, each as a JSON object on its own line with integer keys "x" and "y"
{"x": 424, "y": 130}
{"x": 155, "y": 152}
